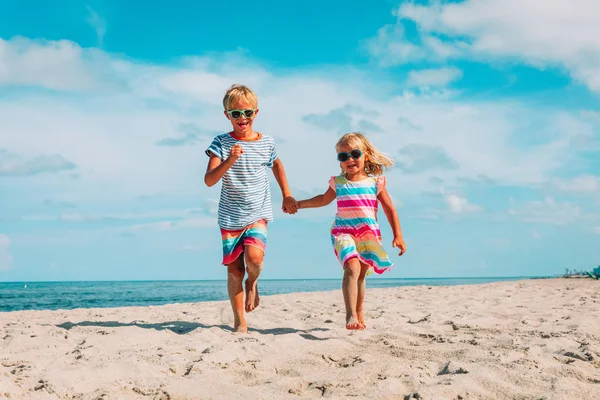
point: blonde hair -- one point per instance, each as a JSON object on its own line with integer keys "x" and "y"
{"x": 376, "y": 161}
{"x": 239, "y": 92}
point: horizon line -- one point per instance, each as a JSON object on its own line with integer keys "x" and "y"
{"x": 289, "y": 279}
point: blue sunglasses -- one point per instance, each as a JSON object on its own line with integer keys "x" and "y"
{"x": 355, "y": 154}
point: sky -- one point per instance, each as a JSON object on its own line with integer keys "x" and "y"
{"x": 490, "y": 109}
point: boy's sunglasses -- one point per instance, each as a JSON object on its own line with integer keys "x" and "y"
{"x": 356, "y": 154}
{"x": 235, "y": 114}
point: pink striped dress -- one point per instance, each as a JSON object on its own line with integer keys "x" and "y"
{"x": 355, "y": 230}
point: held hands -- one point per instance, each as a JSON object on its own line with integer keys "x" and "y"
{"x": 235, "y": 152}
{"x": 399, "y": 243}
{"x": 290, "y": 205}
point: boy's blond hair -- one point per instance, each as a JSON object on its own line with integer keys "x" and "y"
{"x": 376, "y": 161}
{"x": 239, "y": 92}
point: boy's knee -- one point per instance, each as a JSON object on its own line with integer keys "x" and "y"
{"x": 236, "y": 270}
{"x": 254, "y": 257}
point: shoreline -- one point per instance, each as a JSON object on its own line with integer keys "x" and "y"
{"x": 73, "y": 295}
{"x": 285, "y": 280}
{"x": 525, "y": 339}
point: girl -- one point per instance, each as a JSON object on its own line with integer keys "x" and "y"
{"x": 355, "y": 233}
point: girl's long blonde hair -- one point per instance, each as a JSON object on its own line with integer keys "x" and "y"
{"x": 376, "y": 161}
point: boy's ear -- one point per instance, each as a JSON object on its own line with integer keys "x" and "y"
{"x": 225, "y": 113}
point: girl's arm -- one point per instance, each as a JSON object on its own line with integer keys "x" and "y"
{"x": 318, "y": 201}
{"x": 392, "y": 217}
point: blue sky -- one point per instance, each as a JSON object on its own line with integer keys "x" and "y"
{"x": 105, "y": 110}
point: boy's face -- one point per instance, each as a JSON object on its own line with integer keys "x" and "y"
{"x": 242, "y": 125}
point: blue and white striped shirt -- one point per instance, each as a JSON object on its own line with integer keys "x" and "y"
{"x": 245, "y": 193}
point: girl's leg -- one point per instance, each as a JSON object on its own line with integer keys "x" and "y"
{"x": 350, "y": 291}
{"x": 235, "y": 277}
{"x": 254, "y": 263}
{"x": 362, "y": 288}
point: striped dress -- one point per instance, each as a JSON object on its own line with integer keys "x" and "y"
{"x": 355, "y": 230}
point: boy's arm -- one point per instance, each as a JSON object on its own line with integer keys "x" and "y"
{"x": 318, "y": 201}
{"x": 217, "y": 168}
{"x": 289, "y": 203}
{"x": 392, "y": 217}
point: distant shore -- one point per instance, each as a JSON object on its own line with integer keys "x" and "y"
{"x": 529, "y": 339}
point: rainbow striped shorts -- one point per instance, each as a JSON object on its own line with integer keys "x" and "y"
{"x": 234, "y": 240}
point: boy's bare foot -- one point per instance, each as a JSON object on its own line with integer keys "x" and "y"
{"x": 257, "y": 297}
{"x": 240, "y": 326}
{"x": 353, "y": 324}
{"x": 252, "y": 298}
{"x": 361, "y": 319}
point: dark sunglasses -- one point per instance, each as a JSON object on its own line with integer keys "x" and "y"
{"x": 235, "y": 114}
{"x": 356, "y": 154}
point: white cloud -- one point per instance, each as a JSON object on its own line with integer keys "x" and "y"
{"x": 14, "y": 165}
{"x": 112, "y": 137}
{"x": 205, "y": 208}
{"x": 56, "y": 65}
{"x": 98, "y": 23}
{"x": 584, "y": 184}
{"x": 6, "y": 259}
{"x": 591, "y": 115}
{"x": 547, "y": 211}
{"x": 417, "y": 158}
{"x": 596, "y": 230}
{"x": 460, "y": 205}
{"x": 557, "y": 33}
{"x": 391, "y": 47}
{"x": 433, "y": 77}
{"x": 190, "y": 223}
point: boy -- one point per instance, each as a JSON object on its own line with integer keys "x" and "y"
{"x": 240, "y": 158}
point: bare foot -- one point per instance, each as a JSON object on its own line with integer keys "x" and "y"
{"x": 353, "y": 324}
{"x": 252, "y": 299}
{"x": 361, "y": 319}
{"x": 240, "y": 326}
{"x": 257, "y": 297}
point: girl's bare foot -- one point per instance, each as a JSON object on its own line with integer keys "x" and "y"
{"x": 361, "y": 319}
{"x": 252, "y": 298}
{"x": 353, "y": 324}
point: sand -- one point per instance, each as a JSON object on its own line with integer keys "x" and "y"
{"x": 532, "y": 339}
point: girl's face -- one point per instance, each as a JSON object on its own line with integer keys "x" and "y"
{"x": 352, "y": 159}
{"x": 241, "y": 115}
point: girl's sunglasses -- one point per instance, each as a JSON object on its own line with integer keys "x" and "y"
{"x": 235, "y": 114}
{"x": 356, "y": 154}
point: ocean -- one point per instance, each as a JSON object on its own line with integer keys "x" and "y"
{"x": 69, "y": 295}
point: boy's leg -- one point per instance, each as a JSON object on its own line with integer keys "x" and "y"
{"x": 350, "y": 291}
{"x": 254, "y": 262}
{"x": 235, "y": 277}
{"x": 362, "y": 288}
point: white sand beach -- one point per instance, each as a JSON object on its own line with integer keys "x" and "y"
{"x": 533, "y": 339}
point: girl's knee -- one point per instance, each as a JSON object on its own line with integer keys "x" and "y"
{"x": 364, "y": 268}
{"x": 352, "y": 267}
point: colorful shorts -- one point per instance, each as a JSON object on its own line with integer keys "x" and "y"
{"x": 234, "y": 240}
